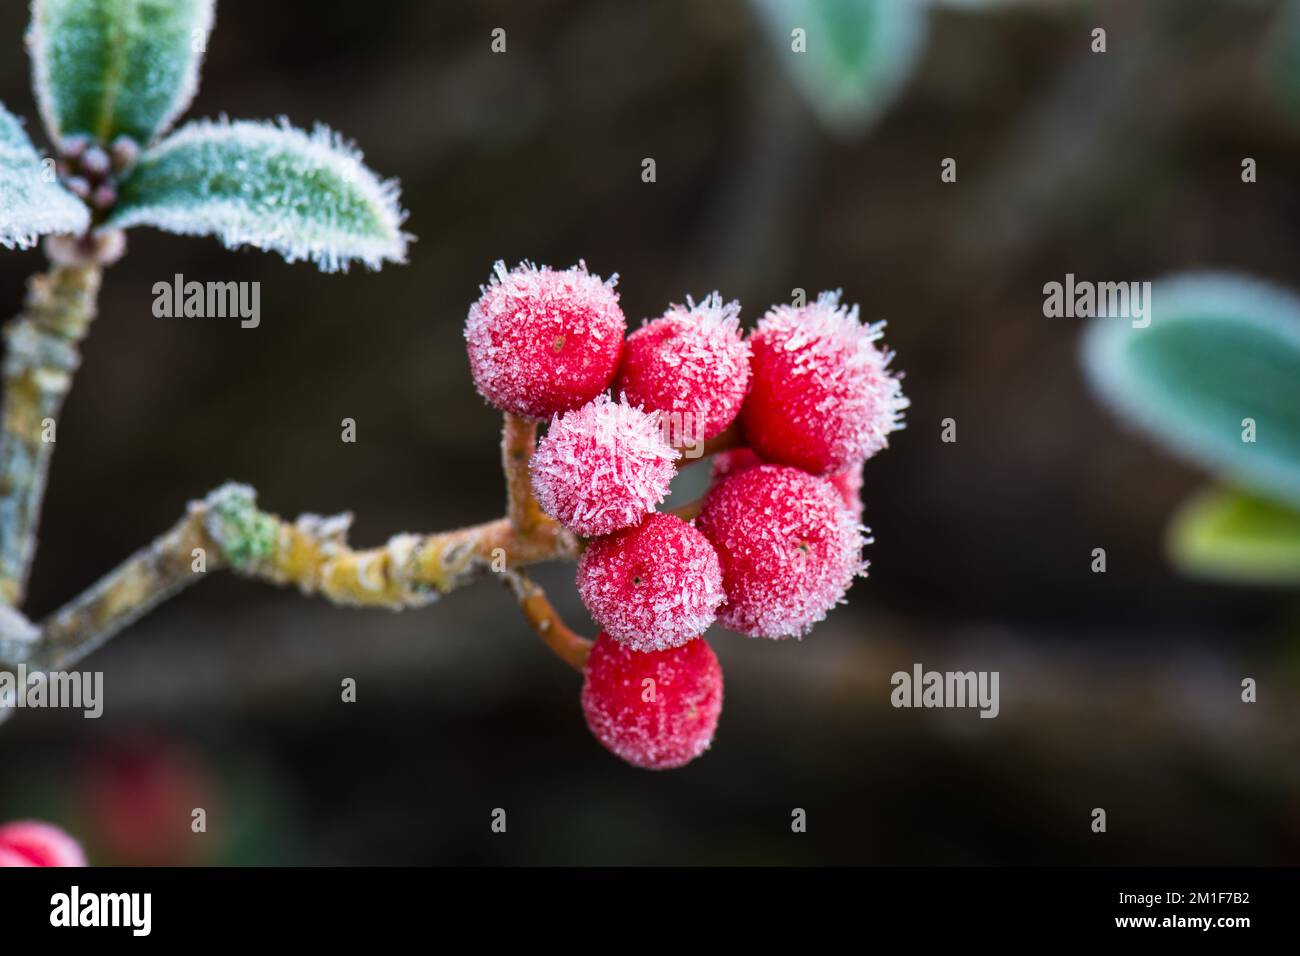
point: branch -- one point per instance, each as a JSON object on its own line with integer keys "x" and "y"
{"x": 227, "y": 530}
{"x": 518, "y": 441}
{"x": 40, "y": 359}
{"x": 525, "y": 515}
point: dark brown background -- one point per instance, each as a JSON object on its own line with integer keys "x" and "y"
{"x": 1118, "y": 690}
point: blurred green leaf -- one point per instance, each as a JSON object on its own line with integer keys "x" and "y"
{"x": 1220, "y": 349}
{"x": 109, "y": 67}
{"x": 856, "y": 54}
{"x": 32, "y": 203}
{"x": 1235, "y": 536}
{"x": 1282, "y": 56}
{"x": 272, "y": 187}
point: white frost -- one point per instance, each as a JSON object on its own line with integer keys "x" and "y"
{"x": 32, "y": 203}
{"x": 258, "y": 184}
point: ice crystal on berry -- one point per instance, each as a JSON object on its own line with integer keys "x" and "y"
{"x": 733, "y": 461}
{"x": 822, "y": 395}
{"x": 602, "y": 467}
{"x": 653, "y": 586}
{"x": 691, "y": 361}
{"x": 849, "y": 484}
{"x": 654, "y": 709}
{"x": 543, "y": 341}
{"x": 788, "y": 546}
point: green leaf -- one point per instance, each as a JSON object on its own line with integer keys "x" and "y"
{"x": 272, "y": 187}
{"x": 1235, "y": 536}
{"x": 856, "y": 54}
{"x": 1282, "y": 57}
{"x": 32, "y": 203}
{"x": 1220, "y": 349}
{"x": 110, "y": 67}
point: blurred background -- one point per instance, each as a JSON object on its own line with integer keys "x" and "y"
{"x": 1118, "y": 690}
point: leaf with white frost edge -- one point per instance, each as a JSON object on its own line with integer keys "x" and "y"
{"x": 32, "y": 203}
{"x": 1220, "y": 348}
{"x": 305, "y": 196}
{"x": 109, "y": 67}
{"x": 858, "y": 54}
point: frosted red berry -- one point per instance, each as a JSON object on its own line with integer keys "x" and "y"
{"x": 732, "y": 461}
{"x": 542, "y": 341}
{"x": 653, "y": 586}
{"x": 849, "y": 484}
{"x": 654, "y": 709}
{"x": 602, "y": 467}
{"x": 822, "y": 395}
{"x": 691, "y": 362}
{"x": 32, "y": 843}
{"x": 789, "y": 549}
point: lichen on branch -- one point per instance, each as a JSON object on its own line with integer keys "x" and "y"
{"x": 41, "y": 355}
{"x": 227, "y": 530}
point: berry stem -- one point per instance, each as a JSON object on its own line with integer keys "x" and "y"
{"x": 518, "y": 441}
{"x": 689, "y": 511}
{"x": 568, "y": 645}
{"x": 40, "y": 358}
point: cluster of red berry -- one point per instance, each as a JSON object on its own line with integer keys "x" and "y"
{"x": 778, "y": 539}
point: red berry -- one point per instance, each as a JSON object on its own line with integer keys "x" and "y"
{"x": 789, "y": 549}
{"x": 136, "y": 796}
{"x": 31, "y": 843}
{"x": 730, "y": 462}
{"x": 653, "y": 586}
{"x": 849, "y": 484}
{"x": 602, "y": 467}
{"x": 822, "y": 395}
{"x": 654, "y": 709}
{"x": 692, "y": 362}
{"x": 542, "y": 342}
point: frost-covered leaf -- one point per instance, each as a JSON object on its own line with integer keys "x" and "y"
{"x": 1235, "y": 536}
{"x": 847, "y": 57}
{"x": 1215, "y": 376}
{"x": 306, "y": 196}
{"x": 109, "y": 67}
{"x": 32, "y": 203}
